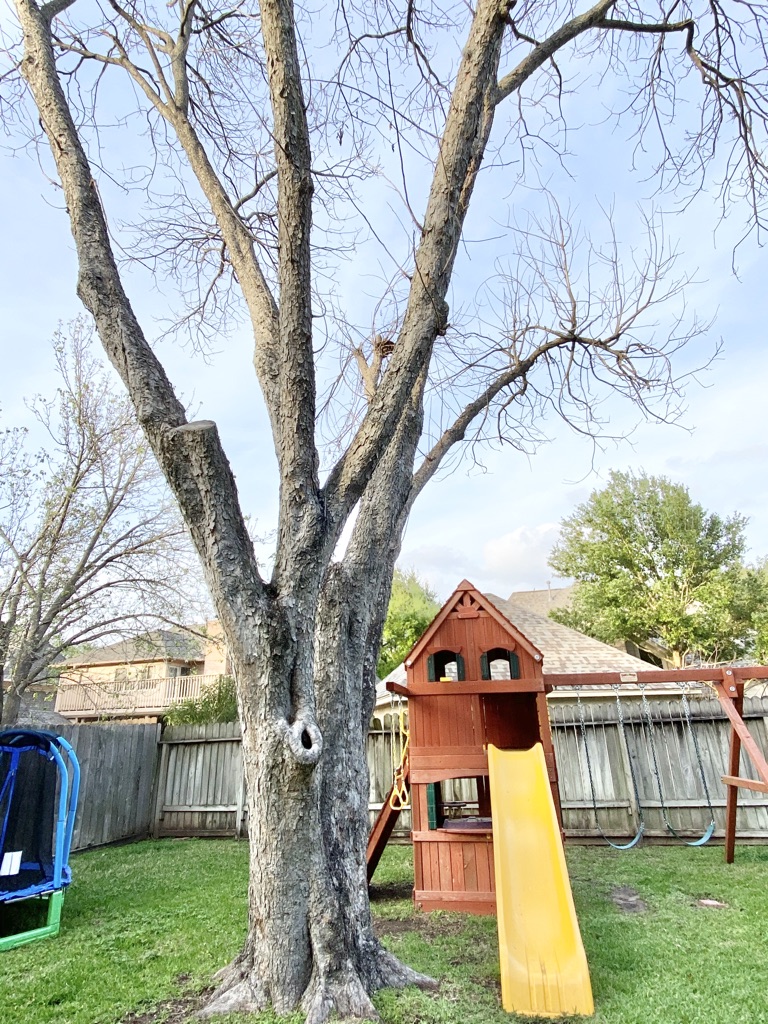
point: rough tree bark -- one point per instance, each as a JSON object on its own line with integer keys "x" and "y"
{"x": 304, "y": 644}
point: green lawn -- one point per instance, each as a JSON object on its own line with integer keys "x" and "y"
{"x": 145, "y": 926}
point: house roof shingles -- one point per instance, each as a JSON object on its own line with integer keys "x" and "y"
{"x": 543, "y": 601}
{"x": 157, "y": 645}
{"x": 565, "y": 649}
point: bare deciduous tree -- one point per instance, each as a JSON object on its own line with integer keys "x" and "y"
{"x": 91, "y": 543}
{"x": 266, "y": 119}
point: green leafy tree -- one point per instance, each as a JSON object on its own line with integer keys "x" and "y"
{"x": 760, "y": 616}
{"x": 217, "y": 703}
{"x": 412, "y": 606}
{"x": 652, "y": 564}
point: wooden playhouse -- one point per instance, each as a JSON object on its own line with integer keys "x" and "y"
{"x": 472, "y": 679}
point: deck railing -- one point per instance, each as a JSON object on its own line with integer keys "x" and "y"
{"x": 87, "y": 699}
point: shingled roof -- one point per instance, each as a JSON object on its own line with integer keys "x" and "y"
{"x": 157, "y": 645}
{"x": 543, "y": 601}
{"x": 565, "y": 649}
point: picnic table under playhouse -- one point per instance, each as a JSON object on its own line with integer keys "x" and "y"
{"x": 464, "y": 721}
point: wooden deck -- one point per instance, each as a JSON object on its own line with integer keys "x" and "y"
{"x": 137, "y": 698}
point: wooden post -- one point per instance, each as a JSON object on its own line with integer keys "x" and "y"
{"x": 483, "y": 797}
{"x": 384, "y": 826}
{"x": 736, "y": 692}
{"x": 162, "y": 775}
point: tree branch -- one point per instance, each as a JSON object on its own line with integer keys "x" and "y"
{"x": 205, "y": 491}
{"x": 301, "y": 521}
{"x": 543, "y": 51}
{"x": 468, "y": 125}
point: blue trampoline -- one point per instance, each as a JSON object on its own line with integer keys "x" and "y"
{"x": 39, "y": 784}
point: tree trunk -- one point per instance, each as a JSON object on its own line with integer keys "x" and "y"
{"x": 310, "y": 941}
{"x": 10, "y": 704}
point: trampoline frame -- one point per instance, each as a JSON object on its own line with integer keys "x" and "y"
{"x": 49, "y": 890}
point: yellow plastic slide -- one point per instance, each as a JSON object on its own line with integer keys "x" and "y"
{"x": 543, "y": 966}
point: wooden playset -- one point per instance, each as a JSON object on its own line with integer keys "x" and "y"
{"x": 476, "y": 689}
{"x": 451, "y": 723}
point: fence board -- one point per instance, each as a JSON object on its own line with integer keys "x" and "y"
{"x": 682, "y": 786}
{"x": 199, "y": 789}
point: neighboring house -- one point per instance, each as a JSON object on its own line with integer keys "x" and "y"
{"x": 140, "y": 677}
{"x": 563, "y": 649}
{"x": 544, "y": 601}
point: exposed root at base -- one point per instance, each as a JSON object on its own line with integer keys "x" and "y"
{"x": 344, "y": 994}
{"x": 238, "y": 991}
{"x": 389, "y": 972}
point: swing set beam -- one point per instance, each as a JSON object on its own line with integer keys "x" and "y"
{"x": 728, "y": 684}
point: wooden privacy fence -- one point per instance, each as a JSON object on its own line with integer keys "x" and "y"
{"x": 201, "y": 784}
{"x": 663, "y": 755}
{"x": 615, "y": 749}
{"x": 117, "y": 775}
{"x": 188, "y": 781}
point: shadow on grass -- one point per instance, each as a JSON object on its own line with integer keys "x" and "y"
{"x": 380, "y": 892}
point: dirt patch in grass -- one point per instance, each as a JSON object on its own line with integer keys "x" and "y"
{"x": 390, "y": 891}
{"x": 628, "y": 899}
{"x": 430, "y": 925}
{"x": 171, "y": 1011}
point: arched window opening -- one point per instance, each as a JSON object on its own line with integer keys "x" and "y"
{"x": 499, "y": 663}
{"x": 445, "y": 665}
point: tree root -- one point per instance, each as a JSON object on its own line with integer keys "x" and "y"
{"x": 238, "y": 991}
{"x": 389, "y": 972}
{"x": 346, "y": 993}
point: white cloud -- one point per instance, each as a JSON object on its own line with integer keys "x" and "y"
{"x": 441, "y": 566}
{"x": 518, "y": 559}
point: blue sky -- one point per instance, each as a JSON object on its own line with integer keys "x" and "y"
{"x": 496, "y": 525}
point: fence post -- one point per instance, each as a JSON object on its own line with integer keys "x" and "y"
{"x": 240, "y": 804}
{"x": 162, "y": 774}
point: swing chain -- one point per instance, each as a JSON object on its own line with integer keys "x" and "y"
{"x": 583, "y": 723}
{"x": 632, "y": 773}
{"x": 649, "y": 719}
{"x": 699, "y": 759}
